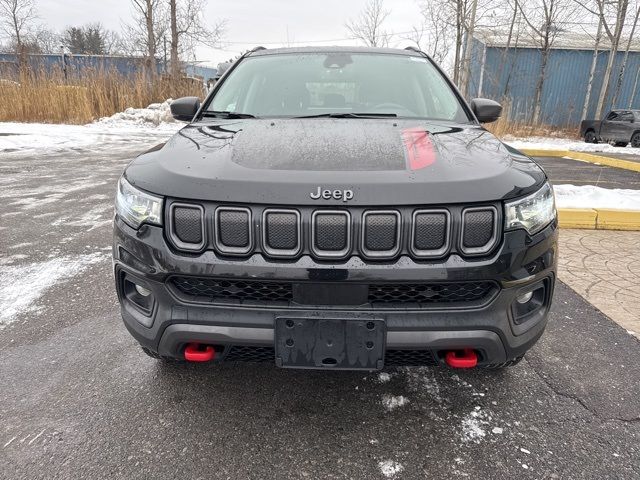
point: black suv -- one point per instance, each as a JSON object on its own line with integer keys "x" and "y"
{"x": 335, "y": 208}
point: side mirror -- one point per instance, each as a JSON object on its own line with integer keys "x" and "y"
{"x": 486, "y": 110}
{"x": 184, "y": 109}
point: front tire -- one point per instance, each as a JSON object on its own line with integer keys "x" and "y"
{"x": 590, "y": 137}
{"x": 635, "y": 140}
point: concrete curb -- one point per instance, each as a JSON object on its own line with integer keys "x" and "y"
{"x": 599, "y": 219}
{"x": 585, "y": 157}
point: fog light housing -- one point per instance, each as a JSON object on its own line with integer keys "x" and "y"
{"x": 524, "y": 298}
{"x": 137, "y": 295}
{"x": 144, "y": 292}
{"x": 528, "y": 302}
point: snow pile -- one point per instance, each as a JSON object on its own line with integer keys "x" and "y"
{"x": 155, "y": 114}
{"x": 130, "y": 131}
{"x": 389, "y": 468}
{"x": 546, "y": 143}
{"x": 391, "y": 403}
{"x": 472, "y": 426}
{"x": 22, "y": 285}
{"x": 590, "y": 196}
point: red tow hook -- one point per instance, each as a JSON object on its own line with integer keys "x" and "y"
{"x": 466, "y": 358}
{"x": 197, "y": 352}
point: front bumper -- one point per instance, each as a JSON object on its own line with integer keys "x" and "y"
{"x": 520, "y": 264}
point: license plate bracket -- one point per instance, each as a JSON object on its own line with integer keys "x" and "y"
{"x": 336, "y": 344}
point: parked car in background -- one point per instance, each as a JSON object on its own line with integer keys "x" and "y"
{"x": 619, "y": 127}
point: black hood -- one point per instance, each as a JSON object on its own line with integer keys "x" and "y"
{"x": 383, "y": 161}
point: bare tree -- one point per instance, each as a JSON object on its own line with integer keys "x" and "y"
{"x": 544, "y": 17}
{"x": 47, "y": 40}
{"x": 466, "y": 60}
{"x": 146, "y": 30}
{"x": 188, "y": 29}
{"x": 16, "y": 19}
{"x": 433, "y": 35}
{"x": 623, "y": 66}
{"x": 612, "y": 14}
{"x": 368, "y": 26}
{"x": 635, "y": 88}
{"x": 592, "y": 70}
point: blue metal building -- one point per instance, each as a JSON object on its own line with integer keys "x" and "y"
{"x": 510, "y": 76}
{"x": 75, "y": 64}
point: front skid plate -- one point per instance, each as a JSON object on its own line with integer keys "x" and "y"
{"x": 336, "y": 344}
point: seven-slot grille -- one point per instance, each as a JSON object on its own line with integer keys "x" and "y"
{"x": 335, "y": 234}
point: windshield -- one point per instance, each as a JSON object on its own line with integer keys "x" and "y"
{"x": 295, "y": 85}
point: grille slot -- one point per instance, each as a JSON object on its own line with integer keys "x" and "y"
{"x": 381, "y": 233}
{"x": 281, "y": 232}
{"x": 220, "y": 290}
{"x": 430, "y": 233}
{"x": 233, "y": 230}
{"x": 331, "y": 233}
{"x": 430, "y": 293}
{"x": 479, "y": 230}
{"x": 395, "y": 295}
{"x": 187, "y": 226}
{"x": 397, "y": 358}
{"x": 245, "y": 353}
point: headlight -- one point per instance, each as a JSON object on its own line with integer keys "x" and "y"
{"x": 137, "y": 207}
{"x": 533, "y": 212}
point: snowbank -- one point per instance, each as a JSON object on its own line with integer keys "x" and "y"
{"x": 131, "y": 130}
{"x": 566, "y": 144}
{"x": 589, "y": 196}
{"x": 155, "y": 114}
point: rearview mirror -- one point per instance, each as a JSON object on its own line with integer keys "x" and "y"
{"x": 486, "y": 110}
{"x": 185, "y": 108}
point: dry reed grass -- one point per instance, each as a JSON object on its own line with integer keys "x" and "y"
{"x": 49, "y": 98}
{"x": 505, "y": 127}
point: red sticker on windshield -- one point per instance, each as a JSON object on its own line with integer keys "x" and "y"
{"x": 420, "y": 149}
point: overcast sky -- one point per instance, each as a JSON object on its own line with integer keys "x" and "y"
{"x": 249, "y": 22}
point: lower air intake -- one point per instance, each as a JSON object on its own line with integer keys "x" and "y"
{"x": 398, "y": 358}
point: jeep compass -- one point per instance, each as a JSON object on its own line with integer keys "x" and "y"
{"x": 335, "y": 208}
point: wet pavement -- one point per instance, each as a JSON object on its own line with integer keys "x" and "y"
{"x": 623, "y": 156}
{"x": 78, "y": 399}
{"x": 575, "y": 172}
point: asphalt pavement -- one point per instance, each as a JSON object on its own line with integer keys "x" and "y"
{"x": 78, "y": 399}
{"x": 575, "y": 172}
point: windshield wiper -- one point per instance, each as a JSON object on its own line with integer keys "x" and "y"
{"x": 350, "y": 115}
{"x": 212, "y": 113}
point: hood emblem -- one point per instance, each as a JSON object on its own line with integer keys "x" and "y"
{"x": 326, "y": 194}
